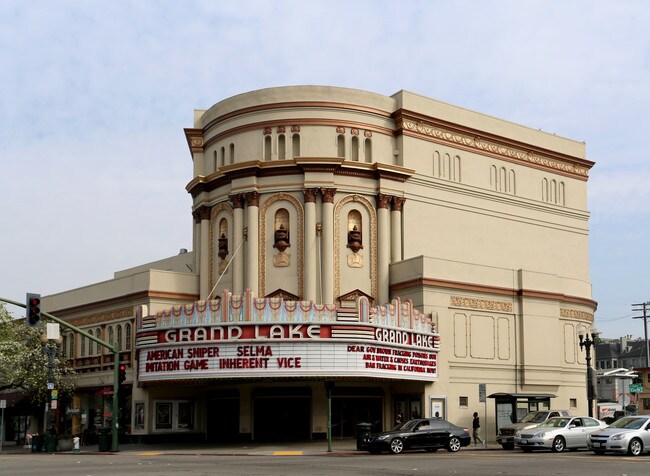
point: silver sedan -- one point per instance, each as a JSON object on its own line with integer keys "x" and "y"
{"x": 558, "y": 434}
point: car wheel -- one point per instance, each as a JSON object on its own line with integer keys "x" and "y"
{"x": 396, "y": 446}
{"x": 508, "y": 446}
{"x": 431, "y": 450}
{"x": 454, "y": 444}
{"x": 558, "y": 445}
{"x": 635, "y": 448}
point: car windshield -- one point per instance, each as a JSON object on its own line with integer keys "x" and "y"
{"x": 534, "y": 417}
{"x": 629, "y": 423}
{"x": 406, "y": 426}
{"x": 555, "y": 423}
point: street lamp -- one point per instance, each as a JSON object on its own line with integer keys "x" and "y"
{"x": 587, "y": 340}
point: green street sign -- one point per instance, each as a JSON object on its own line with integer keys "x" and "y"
{"x": 636, "y": 387}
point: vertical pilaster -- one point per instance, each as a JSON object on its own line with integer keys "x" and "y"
{"x": 310, "y": 265}
{"x": 383, "y": 248}
{"x": 237, "y": 236}
{"x": 327, "y": 245}
{"x": 397, "y": 203}
{"x": 252, "y": 255}
{"x": 203, "y": 216}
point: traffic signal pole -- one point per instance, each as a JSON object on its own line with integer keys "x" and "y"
{"x": 116, "y": 365}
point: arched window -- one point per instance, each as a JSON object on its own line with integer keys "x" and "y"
{"x": 512, "y": 183}
{"x": 354, "y": 149}
{"x": 544, "y": 190}
{"x": 119, "y": 337}
{"x": 71, "y": 338}
{"x": 82, "y": 351}
{"x": 111, "y": 335}
{"x": 282, "y": 147}
{"x": 561, "y": 200}
{"x": 64, "y": 345}
{"x": 502, "y": 180}
{"x": 553, "y": 193}
{"x": 232, "y": 153}
{"x": 215, "y": 163}
{"x": 355, "y": 231}
{"x": 456, "y": 169}
{"x": 267, "y": 148}
{"x": 127, "y": 335}
{"x": 223, "y": 156}
{"x": 340, "y": 146}
{"x": 281, "y": 227}
{"x": 90, "y": 343}
{"x": 223, "y": 239}
{"x": 295, "y": 145}
{"x": 446, "y": 166}
{"x": 367, "y": 147}
{"x": 494, "y": 178}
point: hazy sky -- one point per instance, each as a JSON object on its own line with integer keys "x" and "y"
{"x": 95, "y": 96}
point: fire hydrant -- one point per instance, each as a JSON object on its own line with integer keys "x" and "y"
{"x": 75, "y": 444}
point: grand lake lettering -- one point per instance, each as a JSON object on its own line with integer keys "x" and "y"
{"x": 218, "y": 333}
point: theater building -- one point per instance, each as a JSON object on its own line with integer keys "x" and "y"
{"x": 391, "y": 253}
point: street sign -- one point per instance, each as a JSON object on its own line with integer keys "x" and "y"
{"x": 3, "y": 403}
{"x": 481, "y": 392}
{"x": 50, "y": 386}
{"x": 55, "y": 394}
{"x": 636, "y": 387}
{"x": 54, "y": 405}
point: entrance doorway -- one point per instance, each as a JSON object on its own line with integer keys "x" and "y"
{"x": 348, "y": 411}
{"x": 281, "y": 418}
{"x": 223, "y": 419}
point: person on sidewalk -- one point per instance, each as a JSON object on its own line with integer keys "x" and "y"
{"x": 476, "y": 424}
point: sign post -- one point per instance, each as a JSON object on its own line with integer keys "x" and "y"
{"x": 482, "y": 398}
{"x": 3, "y": 404}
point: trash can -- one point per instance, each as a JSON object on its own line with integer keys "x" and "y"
{"x": 37, "y": 443}
{"x": 50, "y": 442}
{"x": 363, "y": 430}
{"x": 105, "y": 439}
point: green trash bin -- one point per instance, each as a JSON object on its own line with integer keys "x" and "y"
{"x": 363, "y": 431}
{"x": 37, "y": 443}
{"x": 50, "y": 443}
{"x": 105, "y": 439}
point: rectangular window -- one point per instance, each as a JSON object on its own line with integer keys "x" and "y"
{"x": 463, "y": 402}
{"x": 573, "y": 403}
{"x": 646, "y": 403}
{"x": 174, "y": 415}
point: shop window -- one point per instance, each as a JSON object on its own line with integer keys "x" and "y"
{"x": 463, "y": 402}
{"x": 295, "y": 145}
{"x": 127, "y": 334}
{"x": 282, "y": 147}
{"x": 174, "y": 415}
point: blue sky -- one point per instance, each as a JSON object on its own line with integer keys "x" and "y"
{"x": 95, "y": 96}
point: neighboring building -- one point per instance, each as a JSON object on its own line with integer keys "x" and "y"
{"x": 618, "y": 364}
{"x": 392, "y": 252}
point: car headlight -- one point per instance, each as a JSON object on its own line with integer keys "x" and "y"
{"x": 540, "y": 435}
{"x": 618, "y": 436}
{"x": 382, "y": 437}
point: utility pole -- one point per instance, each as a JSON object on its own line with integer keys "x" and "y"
{"x": 645, "y": 307}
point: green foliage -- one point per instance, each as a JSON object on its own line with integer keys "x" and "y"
{"x": 24, "y": 363}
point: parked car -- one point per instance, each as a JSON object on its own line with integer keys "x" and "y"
{"x": 506, "y": 434}
{"x": 428, "y": 434}
{"x": 558, "y": 433}
{"x": 629, "y": 435}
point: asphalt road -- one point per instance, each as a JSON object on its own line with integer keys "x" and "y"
{"x": 415, "y": 463}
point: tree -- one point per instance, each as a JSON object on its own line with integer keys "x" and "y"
{"x": 24, "y": 365}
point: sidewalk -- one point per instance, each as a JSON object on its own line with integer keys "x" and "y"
{"x": 347, "y": 446}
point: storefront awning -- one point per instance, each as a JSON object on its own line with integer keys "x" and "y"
{"x": 517, "y": 396}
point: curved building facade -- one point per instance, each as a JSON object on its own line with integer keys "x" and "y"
{"x": 392, "y": 253}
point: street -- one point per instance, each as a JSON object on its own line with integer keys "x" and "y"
{"x": 466, "y": 462}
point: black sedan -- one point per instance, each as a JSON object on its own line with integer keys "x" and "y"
{"x": 420, "y": 434}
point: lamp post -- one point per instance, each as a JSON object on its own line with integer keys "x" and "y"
{"x": 51, "y": 348}
{"x": 587, "y": 340}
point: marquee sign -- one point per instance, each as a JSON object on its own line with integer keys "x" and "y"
{"x": 191, "y": 344}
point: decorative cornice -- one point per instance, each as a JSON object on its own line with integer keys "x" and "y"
{"x": 575, "y": 314}
{"x": 484, "y": 304}
{"x": 558, "y": 163}
{"x": 108, "y": 316}
{"x": 194, "y": 139}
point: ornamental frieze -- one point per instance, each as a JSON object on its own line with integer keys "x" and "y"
{"x": 103, "y": 317}
{"x": 483, "y": 304}
{"x": 574, "y": 314}
{"x": 482, "y": 144}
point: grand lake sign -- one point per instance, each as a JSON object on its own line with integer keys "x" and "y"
{"x": 240, "y": 336}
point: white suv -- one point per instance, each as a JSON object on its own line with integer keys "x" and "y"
{"x": 506, "y": 435}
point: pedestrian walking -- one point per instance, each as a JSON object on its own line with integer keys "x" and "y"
{"x": 476, "y": 424}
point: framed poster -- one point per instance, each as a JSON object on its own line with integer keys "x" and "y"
{"x": 139, "y": 415}
{"x": 163, "y": 416}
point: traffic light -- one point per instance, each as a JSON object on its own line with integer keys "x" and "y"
{"x": 33, "y": 306}
{"x": 122, "y": 376}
